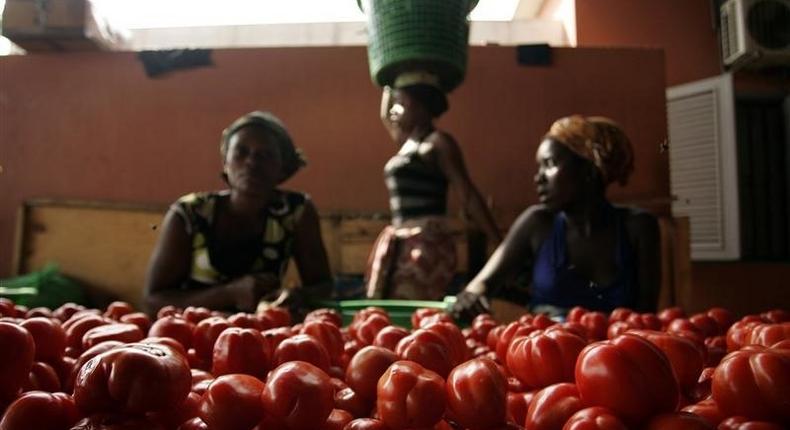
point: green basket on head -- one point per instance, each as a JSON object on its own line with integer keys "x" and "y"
{"x": 427, "y": 35}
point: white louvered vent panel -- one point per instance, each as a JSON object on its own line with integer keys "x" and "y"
{"x": 694, "y": 157}
{"x": 702, "y": 165}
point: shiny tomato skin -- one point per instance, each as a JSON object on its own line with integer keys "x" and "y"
{"x": 366, "y": 424}
{"x": 517, "y": 405}
{"x": 389, "y": 336}
{"x": 708, "y": 410}
{"x": 596, "y": 324}
{"x": 241, "y": 350}
{"x": 42, "y": 377}
{"x": 628, "y": 375}
{"x": 139, "y": 319}
{"x": 510, "y": 332}
{"x": 410, "y": 396}
{"x": 544, "y": 357}
{"x": 337, "y": 420}
{"x": 205, "y": 334}
{"x": 428, "y": 349}
{"x": 328, "y": 335}
{"x": 41, "y": 411}
{"x": 299, "y": 394}
{"x": 117, "y": 309}
{"x": 365, "y": 369}
{"x": 686, "y": 357}
{"x": 678, "y": 421}
{"x": 769, "y": 334}
{"x": 754, "y": 383}
{"x": 232, "y": 402}
{"x": 302, "y": 347}
{"x": 454, "y": 339}
{"x": 553, "y": 406}
{"x": 594, "y": 418}
{"x": 49, "y": 337}
{"x": 14, "y": 368}
{"x": 174, "y": 327}
{"x": 742, "y": 423}
{"x": 126, "y": 333}
{"x": 132, "y": 378}
{"x": 477, "y": 394}
{"x": 325, "y": 314}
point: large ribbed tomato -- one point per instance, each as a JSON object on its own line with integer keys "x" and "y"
{"x": 241, "y": 350}
{"x": 628, "y": 375}
{"x": 686, "y": 357}
{"x": 232, "y": 402}
{"x": 298, "y": 394}
{"x": 476, "y": 394}
{"x": 594, "y": 418}
{"x": 553, "y": 406}
{"x": 410, "y": 396}
{"x": 544, "y": 357}
{"x": 365, "y": 369}
{"x": 16, "y": 359}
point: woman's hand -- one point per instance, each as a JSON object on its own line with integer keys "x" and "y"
{"x": 248, "y": 290}
{"x": 469, "y": 303}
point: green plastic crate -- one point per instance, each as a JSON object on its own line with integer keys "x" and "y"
{"x": 429, "y": 35}
{"x": 399, "y": 310}
{"x": 47, "y": 287}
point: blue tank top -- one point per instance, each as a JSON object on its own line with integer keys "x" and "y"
{"x": 554, "y": 282}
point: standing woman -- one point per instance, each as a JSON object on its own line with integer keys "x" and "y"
{"x": 414, "y": 257}
{"x": 229, "y": 249}
{"x": 582, "y": 250}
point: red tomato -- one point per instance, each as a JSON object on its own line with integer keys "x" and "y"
{"x": 193, "y": 424}
{"x": 620, "y": 314}
{"x": 205, "y": 334}
{"x": 389, "y": 336}
{"x": 739, "y": 334}
{"x": 476, "y": 394}
{"x": 246, "y": 320}
{"x": 167, "y": 311}
{"x": 40, "y": 312}
{"x": 628, "y": 375}
{"x": 576, "y": 313}
{"x": 686, "y": 358}
{"x": 716, "y": 350}
{"x": 707, "y": 325}
{"x": 232, "y": 402}
{"x": 454, "y": 340}
{"x": 42, "y": 377}
{"x": 619, "y": 327}
{"x": 365, "y": 369}
{"x": 118, "y": 309}
{"x": 366, "y": 424}
{"x": 421, "y": 313}
{"x": 195, "y": 314}
{"x": 301, "y": 347}
{"x": 325, "y": 314}
{"x": 299, "y": 394}
{"x": 678, "y": 421}
{"x": 755, "y": 384}
{"x": 328, "y": 335}
{"x": 66, "y": 310}
{"x": 510, "y": 332}
{"x": 167, "y": 341}
{"x": 198, "y": 376}
{"x": 684, "y": 327}
{"x": 14, "y": 367}
{"x": 702, "y": 388}
{"x": 348, "y": 400}
{"x": 410, "y": 396}
{"x": 544, "y": 358}
{"x": 275, "y": 317}
{"x": 172, "y": 418}
{"x": 274, "y": 336}
{"x": 174, "y": 327}
{"x": 742, "y": 423}
{"x": 49, "y": 337}
{"x": 337, "y": 420}
{"x": 596, "y": 324}
{"x": 40, "y": 411}
{"x": 426, "y": 348}
{"x": 668, "y": 315}
{"x": 594, "y": 418}
{"x": 78, "y": 326}
{"x": 139, "y": 319}
{"x": 7, "y": 307}
{"x": 517, "y": 405}
{"x": 553, "y": 406}
{"x": 116, "y": 422}
{"x": 776, "y": 316}
{"x": 723, "y": 318}
{"x": 769, "y": 334}
{"x": 481, "y": 325}
{"x": 241, "y": 350}
{"x": 126, "y": 333}
{"x": 133, "y": 378}
{"x": 367, "y": 329}
{"x": 708, "y": 410}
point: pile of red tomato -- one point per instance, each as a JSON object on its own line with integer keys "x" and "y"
{"x": 77, "y": 368}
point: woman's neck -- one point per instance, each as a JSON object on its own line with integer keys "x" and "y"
{"x": 248, "y": 205}
{"x": 588, "y": 216}
{"x": 420, "y": 131}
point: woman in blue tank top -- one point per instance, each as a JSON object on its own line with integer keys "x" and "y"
{"x": 582, "y": 250}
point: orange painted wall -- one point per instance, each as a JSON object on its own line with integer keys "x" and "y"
{"x": 683, "y": 28}
{"x": 92, "y": 126}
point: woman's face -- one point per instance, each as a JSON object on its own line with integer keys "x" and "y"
{"x": 403, "y": 110}
{"x": 253, "y": 162}
{"x": 560, "y": 176}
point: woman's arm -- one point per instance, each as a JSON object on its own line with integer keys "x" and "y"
{"x": 310, "y": 254}
{"x": 451, "y": 161}
{"x": 169, "y": 269}
{"x": 515, "y": 251}
{"x": 644, "y": 232}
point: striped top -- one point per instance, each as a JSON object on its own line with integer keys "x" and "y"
{"x": 268, "y": 253}
{"x": 417, "y": 188}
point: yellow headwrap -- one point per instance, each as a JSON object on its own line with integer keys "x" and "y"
{"x": 599, "y": 140}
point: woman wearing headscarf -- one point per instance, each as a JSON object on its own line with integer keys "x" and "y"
{"x": 229, "y": 249}
{"x": 415, "y": 257}
{"x": 581, "y": 250}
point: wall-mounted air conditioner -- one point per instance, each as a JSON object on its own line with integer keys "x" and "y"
{"x": 755, "y": 33}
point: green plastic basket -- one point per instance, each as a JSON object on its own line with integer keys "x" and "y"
{"x": 47, "y": 287}
{"x": 429, "y": 35}
{"x": 399, "y": 310}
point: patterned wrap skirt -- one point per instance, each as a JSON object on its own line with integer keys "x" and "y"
{"x": 415, "y": 261}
